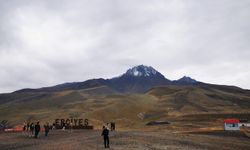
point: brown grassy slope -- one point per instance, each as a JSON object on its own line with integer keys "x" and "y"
{"x": 101, "y": 104}
{"x": 191, "y": 99}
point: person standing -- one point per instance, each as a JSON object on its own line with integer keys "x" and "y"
{"x": 37, "y": 129}
{"x": 24, "y": 127}
{"x": 53, "y": 126}
{"x": 63, "y": 126}
{"x": 105, "y": 134}
{"x": 32, "y": 129}
{"x": 112, "y": 126}
{"x": 46, "y": 129}
{"x": 71, "y": 127}
{"x": 28, "y": 127}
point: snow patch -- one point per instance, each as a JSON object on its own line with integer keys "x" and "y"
{"x": 142, "y": 71}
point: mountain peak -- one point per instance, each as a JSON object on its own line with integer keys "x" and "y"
{"x": 138, "y": 79}
{"x": 142, "y": 71}
{"x": 187, "y": 79}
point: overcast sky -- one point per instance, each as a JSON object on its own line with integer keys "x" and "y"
{"x": 47, "y": 42}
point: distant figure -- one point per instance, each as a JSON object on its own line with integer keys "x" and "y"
{"x": 53, "y": 126}
{"x": 28, "y": 127}
{"x": 46, "y": 129}
{"x": 71, "y": 127}
{"x": 32, "y": 127}
{"x": 112, "y": 124}
{"x": 63, "y": 126}
{"x": 107, "y": 126}
{"x": 105, "y": 134}
{"x": 37, "y": 129}
{"x": 24, "y": 128}
{"x": 50, "y": 127}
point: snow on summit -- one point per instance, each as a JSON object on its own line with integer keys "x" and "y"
{"x": 141, "y": 70}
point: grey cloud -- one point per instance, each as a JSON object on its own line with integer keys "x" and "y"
{"x": 49, "y": 42}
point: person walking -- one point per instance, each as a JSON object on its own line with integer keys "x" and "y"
{"x": 46, "y": 129}
{"x": 37, "y": 129}
{"x": 105, "y": 134}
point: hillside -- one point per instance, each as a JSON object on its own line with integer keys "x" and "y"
{"x": 102, "y": 104}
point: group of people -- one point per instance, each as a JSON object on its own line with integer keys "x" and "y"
{"x": 33, "y": 129}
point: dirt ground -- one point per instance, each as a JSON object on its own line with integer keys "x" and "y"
{"x": 126, "y": 140}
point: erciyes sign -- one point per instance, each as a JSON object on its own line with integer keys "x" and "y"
{"x": 72, "y": 123}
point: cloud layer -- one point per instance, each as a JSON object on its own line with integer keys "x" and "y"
{"x": 48, "y": 42}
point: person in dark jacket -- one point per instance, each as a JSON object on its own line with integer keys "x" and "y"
{"x": 46, "y": 129}
{"x": 105, "y": 134}
{"x": 37, "y": 129}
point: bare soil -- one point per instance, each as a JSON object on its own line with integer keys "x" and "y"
{"x": 126, "y": 140}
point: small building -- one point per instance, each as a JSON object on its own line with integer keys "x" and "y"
{"x": 231, "y": 124}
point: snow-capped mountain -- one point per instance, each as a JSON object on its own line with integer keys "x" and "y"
{"x": 135, "y": 80}
{"x": 139, "y": 79}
